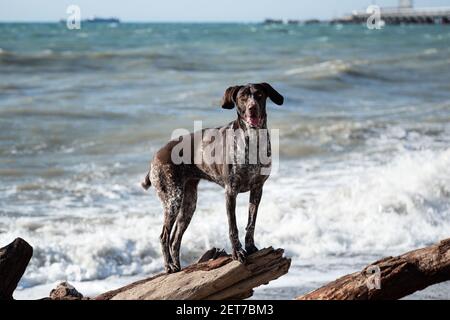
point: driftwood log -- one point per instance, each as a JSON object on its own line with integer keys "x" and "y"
{"x": 392, "y": 277}
{"x": 215, "y": 277}
{"x": 14, "y": 259}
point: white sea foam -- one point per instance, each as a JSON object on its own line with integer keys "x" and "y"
{"x": 313, "y": 209}
{"x": 360, "y": 209}
{"x": 325, "y": 68}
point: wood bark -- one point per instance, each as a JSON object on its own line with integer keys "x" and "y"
{"x": 14, "y": 259}
{"x": 214, "y": 279}
{"x": 398, "y": 276}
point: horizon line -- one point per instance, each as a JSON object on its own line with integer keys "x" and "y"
{"x": 171, "y": 21}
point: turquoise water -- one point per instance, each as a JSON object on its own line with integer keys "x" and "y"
{"x": 364, "y": 141}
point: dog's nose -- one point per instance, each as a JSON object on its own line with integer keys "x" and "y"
{"x": 253, "y": 111}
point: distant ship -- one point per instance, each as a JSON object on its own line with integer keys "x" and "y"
{"x": 97, "y": 20}
{"x": 273, "y": 21}
{"x": 101, "y": 20}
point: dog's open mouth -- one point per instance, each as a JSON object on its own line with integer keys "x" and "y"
{"x": 253, "y": 121}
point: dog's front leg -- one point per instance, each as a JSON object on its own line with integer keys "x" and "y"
{"x": 238, "y": 253}
{"x": 255, "y": 198}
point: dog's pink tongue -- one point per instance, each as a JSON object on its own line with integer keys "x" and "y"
{"x": 253, "y": 121}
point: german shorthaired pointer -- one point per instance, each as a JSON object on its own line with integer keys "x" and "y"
{"x": 176, "y": 183}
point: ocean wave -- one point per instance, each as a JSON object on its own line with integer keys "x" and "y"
{"x": 325, "y": 68}
{"x": 335, "y": 68}
{"x": 320, "y": 137}
{"x": 370, "y": 67}
{"x": 61, "y": 113}
{"x": 110, "y": 60}
{"x": 50, "y": 57}
{"x": 365, "y": 208}
{"x": 160, "y": 58}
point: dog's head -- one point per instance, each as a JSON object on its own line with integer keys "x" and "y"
{"x": 250, "y": 101}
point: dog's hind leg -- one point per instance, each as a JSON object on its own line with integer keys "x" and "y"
{"x": 172, "y": 207}
{"x": 183, "y": 220}
{"x": 170, "y": 191}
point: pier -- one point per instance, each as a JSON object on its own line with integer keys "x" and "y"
{"x": 405, "y": 13}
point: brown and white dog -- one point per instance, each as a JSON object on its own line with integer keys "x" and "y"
{"x": 176, "y": 183}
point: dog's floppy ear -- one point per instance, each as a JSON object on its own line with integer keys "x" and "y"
{"x": 272, "y": 93}
{"x": 229, "y": 97}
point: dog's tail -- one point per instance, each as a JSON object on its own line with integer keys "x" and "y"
{"x": 146, "y": 183}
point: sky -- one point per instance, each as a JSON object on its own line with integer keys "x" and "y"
{"x": 191, "y": 10}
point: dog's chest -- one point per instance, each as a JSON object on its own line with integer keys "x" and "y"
{"x": 251, "y": 162}
{"x": 244, "y": 177}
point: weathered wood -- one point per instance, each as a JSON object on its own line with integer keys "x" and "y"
{"x": 215, "y": 279}
{"x": 14, "y": 259}
{"x": 399, "y": 276}
{"x": 213, "y": 253}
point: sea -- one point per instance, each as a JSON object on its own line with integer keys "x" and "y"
{"x": 364, "y": 145}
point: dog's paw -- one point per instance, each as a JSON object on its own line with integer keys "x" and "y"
{"x": 250, "y": 249}
{"x": 239, "y": 255}
{"x": 172, "y": 268}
